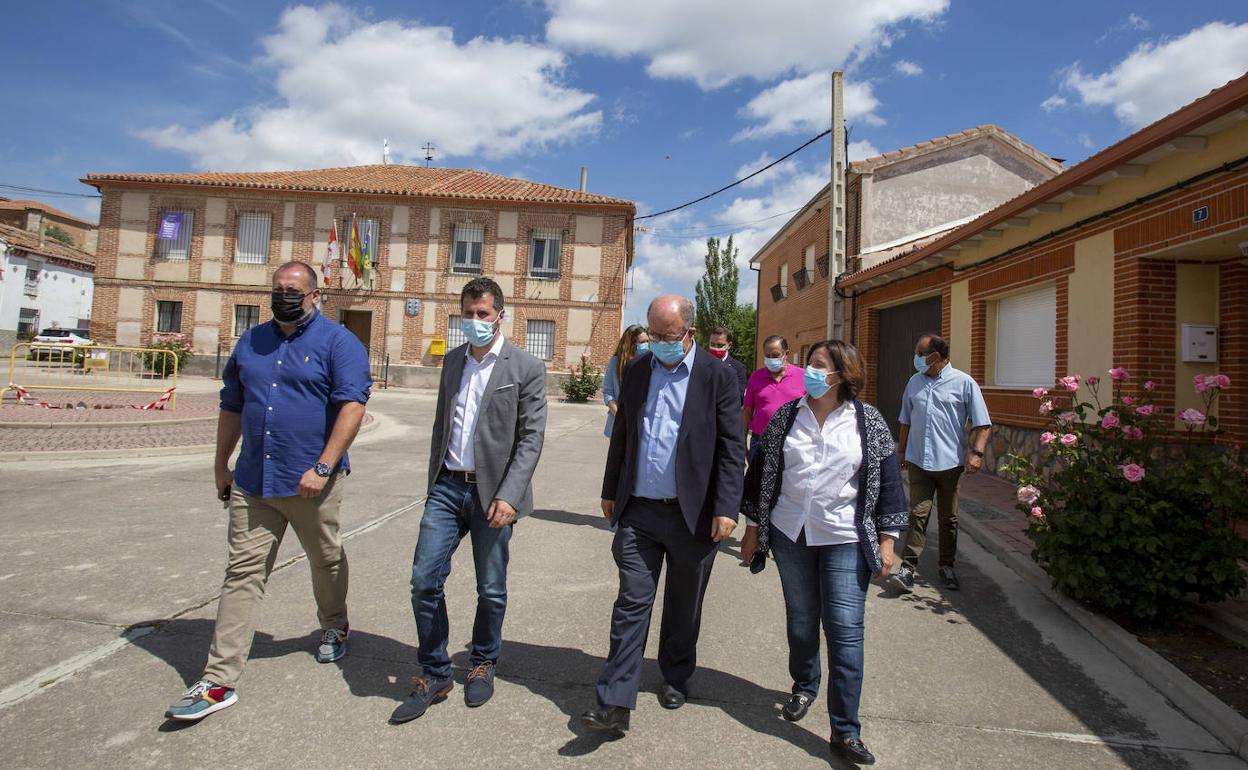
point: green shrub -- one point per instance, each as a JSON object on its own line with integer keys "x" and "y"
{"x": 162, "y": 365}
{"x": 583, "y": 382}
{"x": 1125, "y": 518}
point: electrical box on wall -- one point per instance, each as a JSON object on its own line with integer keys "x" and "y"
{"x": 1200, "y": 343}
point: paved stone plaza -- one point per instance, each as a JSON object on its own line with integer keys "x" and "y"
{"x": 108, "y": 571}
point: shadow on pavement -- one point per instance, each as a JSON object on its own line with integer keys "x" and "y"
{"x": 566, "y": 676}
{"x": 568, "y": 517}
{"x": 981, "y": 603}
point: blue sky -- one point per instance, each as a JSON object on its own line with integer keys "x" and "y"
{"x": 662, "y": 100}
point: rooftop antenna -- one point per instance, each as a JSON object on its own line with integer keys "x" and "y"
{"x": 385, "y": 151}
{"x": 428, "y": 148}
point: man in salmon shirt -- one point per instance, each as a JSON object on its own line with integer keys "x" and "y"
{"x": 769, "y": 388}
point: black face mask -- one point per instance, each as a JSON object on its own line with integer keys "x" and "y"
{"x": 287, "y": 308}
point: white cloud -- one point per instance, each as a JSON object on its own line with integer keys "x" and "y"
{"x": 1138, "y": 23}
{"x": 861, "y": 150}
{"x": 1053, "y": 103}
{"x": 713, "y": 42}
{"x": 907, "y": 68}
{"x": 804, "y": 105}
{"x": 1159, "y": 77}
{"x": 342, "y": 84}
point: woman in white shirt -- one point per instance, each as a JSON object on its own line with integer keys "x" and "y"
{"x": 825, "y": 497}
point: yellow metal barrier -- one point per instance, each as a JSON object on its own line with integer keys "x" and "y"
{"x": 93, "y": 368}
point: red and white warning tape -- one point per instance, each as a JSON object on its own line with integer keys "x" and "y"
{"x": 24, "y": 397}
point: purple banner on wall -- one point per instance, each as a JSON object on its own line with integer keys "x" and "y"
{"x": 170, "y": 226}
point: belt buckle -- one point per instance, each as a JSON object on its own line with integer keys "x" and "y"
{"x": 470, "y": 477}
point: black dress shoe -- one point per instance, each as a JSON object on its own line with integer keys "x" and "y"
{"x": 607, "y": 718}
{"x": 670, "y": 697}
{"x": 854, "y": 750}
{"x": 796, "y": 708}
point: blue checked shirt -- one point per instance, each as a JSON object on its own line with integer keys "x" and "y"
{"x": 289, "y": 391}
{"x": 660, "y": 427}
{"x": 937, "y": 410}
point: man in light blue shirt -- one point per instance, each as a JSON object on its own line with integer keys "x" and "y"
{"x": 665, "y": 403}
{"x": 938, "y": 403}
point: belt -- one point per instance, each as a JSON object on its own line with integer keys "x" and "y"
{"x": 468, "y": 477}
{"x": 662, "y": 500}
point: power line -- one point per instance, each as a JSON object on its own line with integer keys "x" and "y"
{"x": 721, "y": 229}
{"x": 776, "y": 162}
{"x": 54, "y": 193}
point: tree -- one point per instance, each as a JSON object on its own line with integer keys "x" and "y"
{"x": 744, "y": 325}
{"x": 716, "y": 292}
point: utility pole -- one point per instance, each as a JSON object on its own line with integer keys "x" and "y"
{"x": 836, "y": 212}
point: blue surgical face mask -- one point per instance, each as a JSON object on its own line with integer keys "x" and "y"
{"x": 773, "y": 364}
{"x": 668, "y": 352}
{"x": 816, "y": 381}
{"x": 642, "y": 347}
{"x": 479, "y": 333}
{"x": 920, "y": 363}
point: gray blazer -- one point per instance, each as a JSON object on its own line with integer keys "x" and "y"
{"x": 511, "y": 425}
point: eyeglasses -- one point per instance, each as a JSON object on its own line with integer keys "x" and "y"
{"x": 668, "y": 337}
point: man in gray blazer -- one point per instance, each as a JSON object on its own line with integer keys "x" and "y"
{"x": 487, "y": 438}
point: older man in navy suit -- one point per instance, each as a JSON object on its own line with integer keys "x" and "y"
{"x": 672, "y": 491}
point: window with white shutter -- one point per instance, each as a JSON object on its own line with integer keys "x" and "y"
{"x": 179, "y": 245}
{"x": 251, "y": 243}
{"x": 1026, "y": 352}
{"x": 544, "y": 248}
{"x": 466, "y": 248}
{"x": 540, "y": 339}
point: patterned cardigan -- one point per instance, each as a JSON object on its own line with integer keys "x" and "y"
{"x": 881, "y": 505}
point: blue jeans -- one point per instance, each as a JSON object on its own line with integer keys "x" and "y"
{"x": 828, "y": 582}
{"x": 451, "y": 512}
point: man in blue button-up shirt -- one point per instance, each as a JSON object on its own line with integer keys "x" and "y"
{"x": 938, "y": 404}
{"x": 294, "y": 391}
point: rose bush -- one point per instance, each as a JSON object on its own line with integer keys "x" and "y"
{"x": 1126, "y": 515}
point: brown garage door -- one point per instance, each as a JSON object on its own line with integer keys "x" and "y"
{"x": 900, "y": 328}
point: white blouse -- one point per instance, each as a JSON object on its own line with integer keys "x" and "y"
{"x": 820, "y": 488}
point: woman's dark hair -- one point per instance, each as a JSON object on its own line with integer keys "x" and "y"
{"x": 784, "y": 344}
{"x": 847, "y": 362}
{"x": 626, "y": 348}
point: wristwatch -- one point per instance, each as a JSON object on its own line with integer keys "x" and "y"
{"x": 975, "y": 452}
{"x": 322, "y": 470}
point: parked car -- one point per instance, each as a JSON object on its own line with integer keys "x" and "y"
{"x": 47, "y": 342}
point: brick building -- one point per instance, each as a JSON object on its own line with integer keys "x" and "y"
{"x": 894, "y": 203}
{"x": 560, "y": 256}
{"x": 37, "y": 217}
{"x": 1110, "y": 263}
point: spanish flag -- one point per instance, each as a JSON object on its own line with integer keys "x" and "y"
{"x": 355, "y": 261}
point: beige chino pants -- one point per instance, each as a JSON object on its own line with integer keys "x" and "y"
{"x": 256, "y": 527}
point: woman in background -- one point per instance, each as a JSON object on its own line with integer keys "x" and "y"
{"x": 633, "y": 342}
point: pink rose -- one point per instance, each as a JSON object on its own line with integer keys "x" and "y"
{"x": 1069, "y": 382}
{"x": 1110, "y": 421}
{"x": 1132, "y": 433}
{"x": 1039, "y": 392}
{"x": 1149, "y": 385}
{"x": 1028, "y": 494}
{"x": 1192, "y": 417}
{"x": 1119, "y": 374}
{"x": 1219, "y": 381}
{"x": 1069, "y": 439}
{"x": 1132, "y": 472}
{"x": 1067, "y": 418}
{"x": 1128, "y": 400}
{"x": 1046, "y": 407}
{"x": 1093, "y": 381}
{"x": 1145, "y": 410}
{"x": 1037, "y": 513}
{"x": 1201, "y": 383}
{"x": 1048, "y": 437}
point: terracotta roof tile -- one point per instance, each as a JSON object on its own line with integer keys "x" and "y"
{"x": 52, "y": 248}
{"x": 390, "y": 179}
{"x": 22, "y": 205}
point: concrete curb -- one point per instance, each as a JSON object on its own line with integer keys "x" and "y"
{"x": 108, "y": 454}
{"x": 98, "y": 425}
{"x": 1205, "y": 709}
